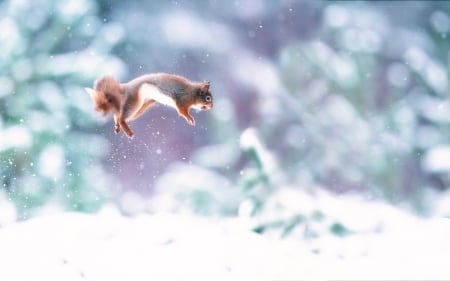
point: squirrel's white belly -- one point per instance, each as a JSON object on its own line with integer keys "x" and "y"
{"x": 151, "y": 92}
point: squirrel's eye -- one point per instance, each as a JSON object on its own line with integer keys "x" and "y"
{"x": 208, "y": 99}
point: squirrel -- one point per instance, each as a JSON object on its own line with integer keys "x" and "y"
{"x": 128, "y": 101}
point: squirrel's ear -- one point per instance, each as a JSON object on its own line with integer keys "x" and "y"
{"x": 92, "y": 93}
{"x": 204, "y": 86}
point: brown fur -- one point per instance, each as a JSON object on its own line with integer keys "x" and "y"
{"x": 127, "y": 103}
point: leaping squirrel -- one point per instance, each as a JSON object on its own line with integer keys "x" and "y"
{"x": 128, "y": 101}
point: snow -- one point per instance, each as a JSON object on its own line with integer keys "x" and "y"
{"x": 437, "y": 160}
{"x": 51, "y": 162}
{"x": 8, "y": 212}
{"x": 162, "y": 246}
{"x": 15, "y": 136}
{"x": 250, "y": 139}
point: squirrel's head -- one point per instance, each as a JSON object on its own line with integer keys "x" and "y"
{"x": 204, "y": 99}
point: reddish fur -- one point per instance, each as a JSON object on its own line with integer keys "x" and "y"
{"x": 125, "y": 100}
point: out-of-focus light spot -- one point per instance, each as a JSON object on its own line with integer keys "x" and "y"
{"x": 51, "y": 96}
{"x": 340, "y": 110}
{"x": 267, "y": 81}
{"x": 10, "y": 38}
{"x": 365, "y": 40}
{"x": 51, "y": 162}
{"x": 398, "y": 75}
{"x": 440, "y": 21}
{"x": 341, "y": 68}
{"x": 90, "y": 26}
{"x": 427, "y": 137}
{"x": 22, "y": 70}
{"x": 336, "y": 16}
{"x": 6, "y": 86}
{"x": 344, "y": 71}
{"x": 295, "y": 137}
{"x": 322, "y": 51}
{"x": 113, "y": 33}
{"x": 415, "y": 58}
{"x": 249, "y": 9}
{"x": 370, "y": 41}
{"x": 437, "y": 160}
{"x": 73, "y": 9}
{"x": 436, "y": 76}
{"x": 16, "y": 136}
{"x": 350, "y": 37}
{"x": 432, "y": 108}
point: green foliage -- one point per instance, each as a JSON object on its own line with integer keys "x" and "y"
{"x": 303, "y": 226}
{"x": 50, "y": 50}
{"x": 346, "y": 108}
{"x": 355, "y": 111}
{"x": 339, "y": 229}
{"x": 354, "y": 100}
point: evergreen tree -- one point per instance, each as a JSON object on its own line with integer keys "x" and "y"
{"x": 48, "y": 151}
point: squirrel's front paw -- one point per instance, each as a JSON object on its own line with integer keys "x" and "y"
{"x": 191, "y": 121}
{"x": 117, "y": 128}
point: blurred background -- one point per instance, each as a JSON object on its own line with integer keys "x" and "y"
{"x": 347, "y": 97}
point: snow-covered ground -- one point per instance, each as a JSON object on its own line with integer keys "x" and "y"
{"x": 162, "y": 246}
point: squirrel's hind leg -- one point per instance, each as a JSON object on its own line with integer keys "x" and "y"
{"x": 141, "y": 110}
{"x": 119, "y": 122}
{"x": 126, "y": 128}
{"x": 116, "y": 124}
